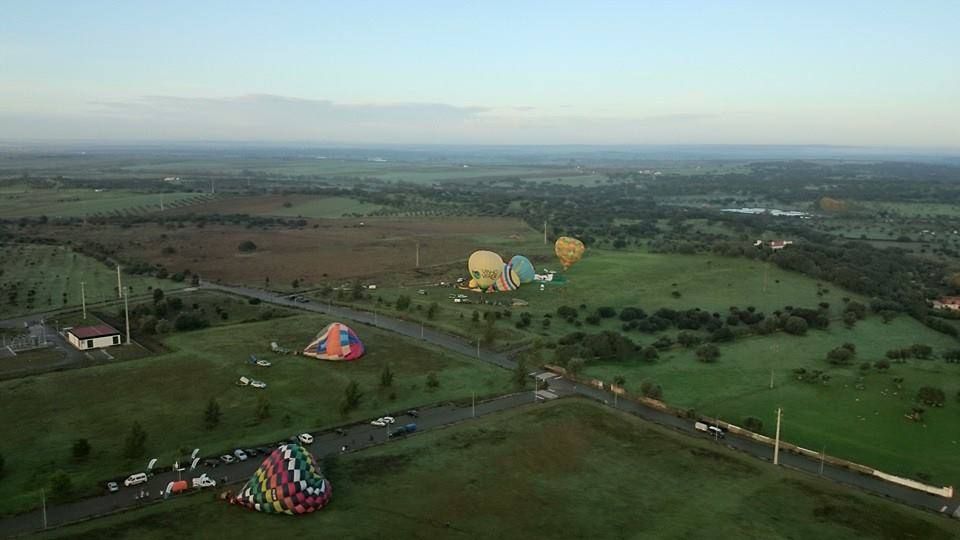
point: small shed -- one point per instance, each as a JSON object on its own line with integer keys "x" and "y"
{"x": 93, "y": 337}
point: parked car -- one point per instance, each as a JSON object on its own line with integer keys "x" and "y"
{"x": 305, "y": 438}
{"x": 204, "y": 481}
{"x": 228, "y": 459}
{"x": 389, "y": 419}
{"x": 378, "y": 422}
{"x": 340, "y": 432}
{"x": 240, "y": 454}
{"x": 112, "y": 487}
{"x": 263, "y": 450}
{"x": 135, "y": 479}
{"x": 264, "y": 363}
{"x": 212, "y": 463}
{"x": 413, "y": 412}
{"x": 251, "y": 452}
{"x": 258, "y": 384}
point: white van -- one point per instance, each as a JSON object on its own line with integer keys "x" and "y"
{"x": 135, "y": 479}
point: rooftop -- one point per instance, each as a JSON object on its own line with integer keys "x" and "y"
{"x": 88, "y": 332}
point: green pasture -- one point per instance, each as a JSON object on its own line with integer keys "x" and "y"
{"x": 54, "y": 273}
{"x": 631, "y": 278}
{"x": 567, "y": 469}
{"x": 867, "y": 426}
{"x": 168, "y": 393}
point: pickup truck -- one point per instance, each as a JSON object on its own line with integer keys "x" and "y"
{"x": 204, "y": 481}
{"x": 713, "y": 431}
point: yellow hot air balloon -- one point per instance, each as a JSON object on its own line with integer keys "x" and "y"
{"x": 568, "y": 250}
{"x": 485, "y": 267}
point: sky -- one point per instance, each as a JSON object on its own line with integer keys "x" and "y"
{"x": 865, "y": 73}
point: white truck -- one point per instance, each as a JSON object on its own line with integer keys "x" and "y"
{"x": 203, "y": 481}
{"x": 713, "y": 431}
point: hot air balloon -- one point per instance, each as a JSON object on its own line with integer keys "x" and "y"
{"x": 508, "y": 280}
{"x": 485, "y": 267}
{"x": 524, "y": 268}
{"x": 569, "y": 250}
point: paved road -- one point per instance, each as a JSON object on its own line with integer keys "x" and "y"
{"x": 359, "y": 435}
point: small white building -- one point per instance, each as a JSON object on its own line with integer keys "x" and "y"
{"x": 93, "y": 337}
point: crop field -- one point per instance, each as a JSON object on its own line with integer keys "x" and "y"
{"x": 54, "y": 275}
{"x": 319, "y": 252}
{"x": 167, "y": 394}
{"x": 865, "y": 425}
{"x": 54, "y": 203}
{"x": 567, "y": 469}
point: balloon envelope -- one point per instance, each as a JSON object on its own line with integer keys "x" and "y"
{"x": 568, "y": 250}
{"x": 524, "y": 268}
{"x": 508, "y": 280}
{"x": 485, "y": 267}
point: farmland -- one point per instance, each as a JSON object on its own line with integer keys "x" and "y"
{"x": 167, "y": 394}
{"x": 56, "y": 203}
{"x": 312, "y": 253}
{"x": 54, "y": 274}
{"x": 596, "y": 478}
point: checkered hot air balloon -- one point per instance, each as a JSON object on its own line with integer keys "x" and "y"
{"x": 287, "y": 482}
{"x": 335, "y": 342}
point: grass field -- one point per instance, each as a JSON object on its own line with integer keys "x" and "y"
{"x": 167, "y": 394}
{"x": 54, "y": 203}
{"x": 867, "y": 426}
{"x": 639, "y": 279}
{"x": 54, "y": 274}
{"x": 568, "y": 469}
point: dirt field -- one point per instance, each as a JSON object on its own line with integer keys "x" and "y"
{"x": 322, "y": 251}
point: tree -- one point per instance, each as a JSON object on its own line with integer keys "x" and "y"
{"x": 795, "y": 325}
{"x": 247, "y": 246}
{"x": 619, "y": 380}
{"x": 60, "y": 485}
{"x": 135, "y": 444}
{"x": 263, "y": 407}
{"x": 649, "y": 353}
{"x": 351, "y": 397}
{"x": 850, "y": 319}
{"x": 520, "y": 374}
{"x": 157, "y": 296}
{"x": 432, "y": 381}
{"x": 575, "y": 366}
{"x": 840, "y": 355}
{"x": 753, "y": 423}
{"x": 432, "y": 310}
{"x": 403, "y": 302}
{"x": 708, "y": 353}
{"x": 80, "y": 449}
{"x": 212, "y": 414}
{"x": 651, "y": 390}
{"x": 489, "y": 332}
{"x": 933, "y": 396}
{"x": 921, "y": 351}
{"x": 386, "y": 377}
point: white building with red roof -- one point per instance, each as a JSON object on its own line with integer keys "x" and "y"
{"x": 93, "y": 337}
{"x": 947, "y": 302}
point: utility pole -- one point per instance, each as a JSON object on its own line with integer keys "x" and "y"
{"x": 771, "y": 378}
{"x": 83, "y": 300}
{"x": 161, "y": 202}
{"x": 776, "y": 442}
{"x": 213, "y": 188}
{"x": 473, "y": 404}
{"x": 43, "y": 501}
{"x": 126, "y": 311}
{"x": 119, "y": 285}
{"x": 822, "y": 453}
{"x": 478, "y": 347}
{"x": 544, "y": 232}
{"x": 418, "y": 254}
{"x": 421, "y": 329}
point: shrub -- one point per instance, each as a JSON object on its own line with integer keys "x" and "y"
{"x": 933, "y": 396}
{"x": 753, "y": 424}
{"x": 247, "y": 246}
{"x": 708, "y": 353}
